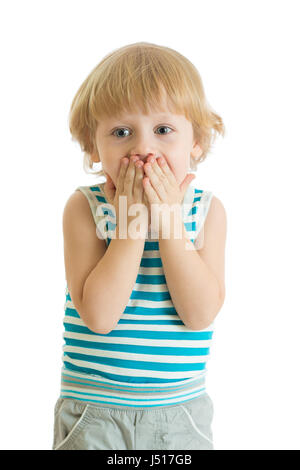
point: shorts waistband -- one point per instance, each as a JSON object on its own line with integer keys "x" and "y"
{"x": 123, "y": 395}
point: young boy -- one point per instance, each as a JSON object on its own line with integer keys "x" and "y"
{"x": 142, "y": 290}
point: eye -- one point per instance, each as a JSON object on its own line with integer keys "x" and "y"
{"x": 164, "y": 127}
{"x": 119, "y": 129}
{"x": 122, "y": 129}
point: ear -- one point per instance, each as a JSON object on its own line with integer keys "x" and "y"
{"x": 196, "y": 151}
{"x": 95, "y": 157}
{"x": 94, "y": 154}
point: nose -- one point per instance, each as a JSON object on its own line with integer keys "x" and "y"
{"x": 143, "y": 144}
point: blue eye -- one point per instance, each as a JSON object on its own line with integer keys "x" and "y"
{"x": 120, "y": 128}
{"x": 125, "y": 129}
{"x": 164, "y": 127}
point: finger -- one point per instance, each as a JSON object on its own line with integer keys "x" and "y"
{"x": 129, "y": 177}
{"x": 150, "y": 191}
{"x": 186, "y": 182}
{"x": 163, "y": 176}
{"x": 157, "y": 180}
{"x": 164, "y": 167}
{"x": 121, "y": 176}
{"x": 109, "y": 189}
{"x": 138, "y": 189}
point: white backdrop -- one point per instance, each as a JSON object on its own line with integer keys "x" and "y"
{"x": 248, "y": 57}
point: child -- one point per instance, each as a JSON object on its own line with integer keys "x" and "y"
{"x": 140, "y": 299}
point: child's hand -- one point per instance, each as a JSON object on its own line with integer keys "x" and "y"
{"x": 129, "y": 184}
{"x": 161, "y": 186}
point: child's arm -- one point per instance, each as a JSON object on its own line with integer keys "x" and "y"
{"x": 108, "y": 287}
{"x": 100, "y": 279}
{"x": 195, "y": 278}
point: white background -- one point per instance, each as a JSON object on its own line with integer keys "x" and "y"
{"x": 247, "y": 53}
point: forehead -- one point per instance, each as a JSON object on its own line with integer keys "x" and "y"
{"x": 159, "y": 108}
{"x": 139, "y": 115}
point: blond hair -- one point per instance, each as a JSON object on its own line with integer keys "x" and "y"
{"x": 130, "y": 79}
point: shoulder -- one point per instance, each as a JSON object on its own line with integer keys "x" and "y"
{"x": 80, "y": 213}
{"x": 77, "y": 211}
{"x": 216, "y": 220}
{"x": 76, "y": 201}
{"x": 217, "y": 210}
{"x": 84, "y": 199}
{"x": 211, "y": 208}
{"x": 214, "y": 228}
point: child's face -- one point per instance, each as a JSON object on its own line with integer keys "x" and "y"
{"x": 161, "y": 133}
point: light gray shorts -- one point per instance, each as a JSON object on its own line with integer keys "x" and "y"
{"x": 82, "y": 426}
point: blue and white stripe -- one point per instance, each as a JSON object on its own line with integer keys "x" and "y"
{"x": 151, "y": 358}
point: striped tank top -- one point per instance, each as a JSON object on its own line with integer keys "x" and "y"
{"x": 150, "y": 359}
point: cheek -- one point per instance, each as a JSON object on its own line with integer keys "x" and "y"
{"x": 113, "y": 170}
{"x": 180, "y": 167}
{"x": 177, "y": 165}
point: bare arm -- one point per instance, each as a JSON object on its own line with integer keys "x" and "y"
{"x": 108, "y": 287}
{"x": 100, "y": 279}
{"x": 195, "y": 278}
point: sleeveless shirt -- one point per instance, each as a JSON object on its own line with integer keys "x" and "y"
{"x": 150, "y": 359}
